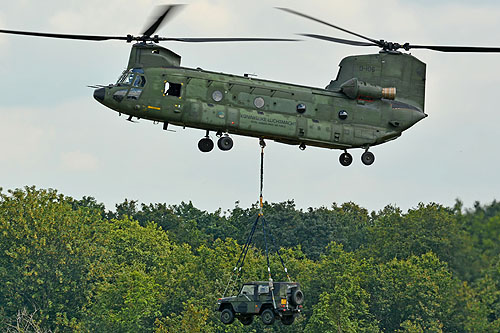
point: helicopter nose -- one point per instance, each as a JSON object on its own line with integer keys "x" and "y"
{"x": 99, "y": 94}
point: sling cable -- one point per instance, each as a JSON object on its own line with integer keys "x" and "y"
{"x": 260, "y": 217}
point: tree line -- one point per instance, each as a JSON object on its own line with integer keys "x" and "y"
{"x": 71, "y": 265}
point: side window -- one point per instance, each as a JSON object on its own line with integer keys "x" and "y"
{"x": 263, "y": 290}
{"x": 172, "y": 89}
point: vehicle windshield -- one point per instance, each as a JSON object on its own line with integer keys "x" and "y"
{"x": 247, "y": 289}
{"x": 135, "y": 77}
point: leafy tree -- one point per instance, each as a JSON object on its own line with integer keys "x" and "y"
{"x": 419, "y": 291}
{"x": 143, "y": 279}
{"x": 428, "y": 228}
{"x": 49, "y": 256}
{"x": 339, "y": 299}
{"x": 482, "y": 224}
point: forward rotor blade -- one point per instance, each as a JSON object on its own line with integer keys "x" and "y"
{"x": 468, "y": 49}
{"x": 63, "y": 36}
{"x": 330, "y": 25}
{"x": 223, "y": 39}
{"x": 165, "y": 12}
{"x": 339, "y": 40}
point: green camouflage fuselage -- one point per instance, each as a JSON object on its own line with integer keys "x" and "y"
{"x": 337, "y": 117}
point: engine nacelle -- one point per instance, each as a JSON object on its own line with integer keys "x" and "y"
{"x": 356, "y": 89}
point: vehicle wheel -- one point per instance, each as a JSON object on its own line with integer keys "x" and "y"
{"x": 297, "y": 296}
{"x": 205, "y": 145}
{"x": 367, "y": 158}
{"x": 287, "y": 320}
{"x": 345, "y": 159}
{"x": 227, "y": 316}
{"x": 268, "y": 317}
{"x": 246, "y": 320}
{"x": 225, "y": 143}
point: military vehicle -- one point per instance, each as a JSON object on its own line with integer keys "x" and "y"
{"x": 273, "y": 300}
{"x": 374, "y": 98}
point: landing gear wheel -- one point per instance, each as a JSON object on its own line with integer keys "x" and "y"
{"x": 246, "y": 320}
{"x": 225, "y": 143}
{"x": 205, "y": 145}
{"x": 345, "y": 159}
{"x": 267, "y": 317}
{"x": 367, "y": 158}
{"x": 227, "y": 316}
{"x": 287, "y": 320}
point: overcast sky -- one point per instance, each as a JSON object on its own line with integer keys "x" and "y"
{"x": 53, "y": 134}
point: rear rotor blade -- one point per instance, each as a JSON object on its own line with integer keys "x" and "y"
{"x": 339, "y": 40}
{"x": 63, "y": 36}
{"x": 330, "y": 25}
{"x": 166, "y": 12}
{"x": 441, "y": 48}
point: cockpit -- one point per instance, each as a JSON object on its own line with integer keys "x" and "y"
{"x": 134, "y": 77}
{"x": 133, "y": 82}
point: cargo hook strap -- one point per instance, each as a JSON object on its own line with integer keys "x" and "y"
{"x": 261, "y": 213}
{"x": 244, "y": 251}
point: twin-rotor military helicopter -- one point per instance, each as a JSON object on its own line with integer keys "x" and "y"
{"x": 374, "y": 98}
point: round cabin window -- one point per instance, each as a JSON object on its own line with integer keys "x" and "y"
{"x": 301, "y": 108}
{"x": 217, "y": 96}
{"x": 258, "y": 102}
{"x": 343, "y": 114}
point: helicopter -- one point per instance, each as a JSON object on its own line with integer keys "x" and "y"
{"x": 373, "y": 99}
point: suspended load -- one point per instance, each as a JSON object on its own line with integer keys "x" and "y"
{"x": 282, "y": 300}
{"x": 268, "y": 299}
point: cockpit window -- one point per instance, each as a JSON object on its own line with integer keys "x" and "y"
{"x": 134, "y": 77}
{"x": 139, "y": 81}
{"x": 134, "y": 93}
{"x": 130, "y": 78}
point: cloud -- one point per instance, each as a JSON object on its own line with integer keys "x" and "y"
{"x": 79, "y": 161}
{"x": 23, "y": 141}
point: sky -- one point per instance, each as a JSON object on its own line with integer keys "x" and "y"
{"x": 53, "y": 134}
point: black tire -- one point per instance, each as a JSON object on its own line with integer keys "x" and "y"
{"x": 227, "y": 316}
{"x": 367, "y": 158}
{"x": 297, "y": 296}
{"x": 345, "y": 159}
{"x": 205, "y": 145}
{"x": 268, "y": 316}
{"x": 246, "y": 320}
{"x": 287, "y": 320}
{"x": 225, "y": 143}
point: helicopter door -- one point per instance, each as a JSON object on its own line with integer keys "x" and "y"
{"x": 172, "y": 93}
{"x": 246, "y": 299}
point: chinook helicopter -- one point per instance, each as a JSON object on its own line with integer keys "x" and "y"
{"x": 374, "y": 98}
